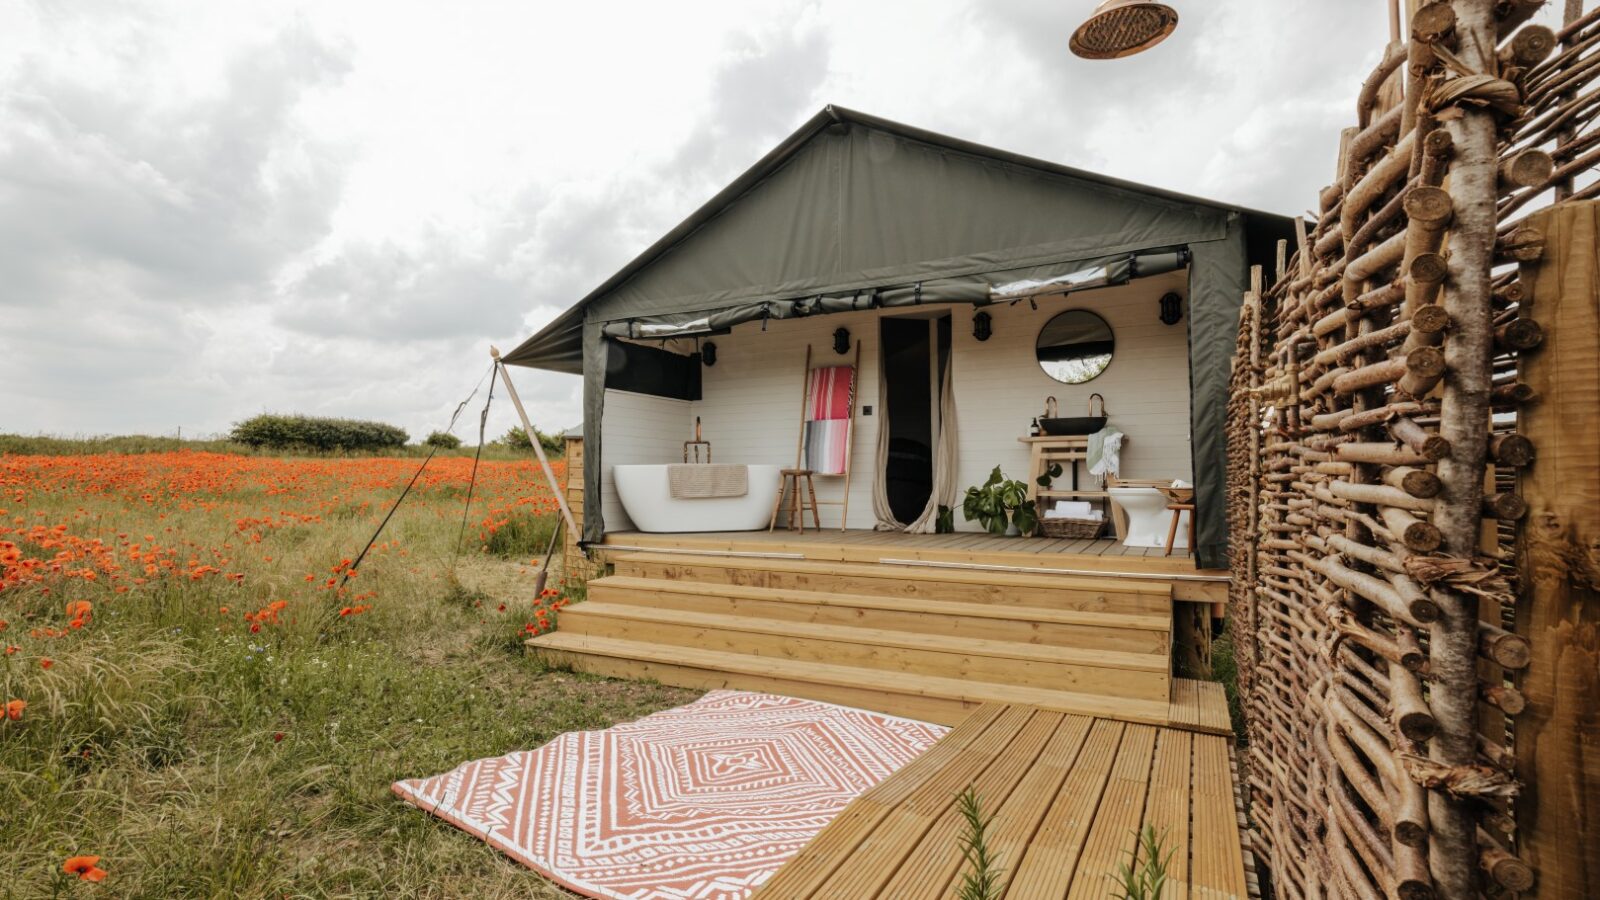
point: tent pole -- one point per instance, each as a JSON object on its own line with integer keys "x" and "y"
{"x": 533, "y": 438}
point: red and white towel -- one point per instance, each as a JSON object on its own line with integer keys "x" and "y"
{"x": 831, "y": 395}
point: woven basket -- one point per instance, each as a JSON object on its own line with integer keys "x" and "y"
{"x": 1071, "y": 528}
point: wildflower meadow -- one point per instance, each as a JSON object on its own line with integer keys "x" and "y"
{"x": 204, "y": 695}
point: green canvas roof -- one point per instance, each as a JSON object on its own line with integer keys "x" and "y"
{"x": 851, "y": 201}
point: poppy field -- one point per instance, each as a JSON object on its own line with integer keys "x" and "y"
{"x": 205, "y": 695}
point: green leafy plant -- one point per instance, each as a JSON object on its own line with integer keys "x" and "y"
{"x": 946, "y": 521}
{"x": 444, "y": 440}
{"x": 999, "y": 503}
{"x": 982, "y": 879}
{"x": 1148, "y": 878}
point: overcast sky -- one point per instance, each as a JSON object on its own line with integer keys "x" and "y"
{"x": 211, "y": 209}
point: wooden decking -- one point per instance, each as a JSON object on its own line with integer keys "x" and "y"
{"x": 964, "y": 541}
{"x": 964, "y": 549}
{"x": 1068, "y": 794}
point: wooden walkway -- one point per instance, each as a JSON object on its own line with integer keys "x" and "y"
{"x": 1068, "y": 794}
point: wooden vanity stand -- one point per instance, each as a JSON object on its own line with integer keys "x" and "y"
{"x": 1045, "y": 450}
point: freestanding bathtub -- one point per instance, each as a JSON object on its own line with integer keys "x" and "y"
{"x": 651, "y": 506}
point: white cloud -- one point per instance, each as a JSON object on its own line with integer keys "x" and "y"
{"x": 207, "y": 210}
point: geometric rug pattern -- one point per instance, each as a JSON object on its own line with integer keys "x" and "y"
{"x": 704, "y": 801}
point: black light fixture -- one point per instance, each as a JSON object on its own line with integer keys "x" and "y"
{"x": 982, "y": 326}
{"x": 841, "y": 341}
{"x": 708, "y": 354}
{"x": 1171, "y": 309}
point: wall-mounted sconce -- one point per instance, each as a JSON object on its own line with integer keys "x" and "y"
{"x": 982, "y": 326}
{"x": 708, "y": 354}
{"x": 841, "y": 341}
{"x": 1171, "y": 309}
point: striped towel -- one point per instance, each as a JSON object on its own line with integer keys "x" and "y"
{"x": 830, "y": 392}
{"x": 827, "y": 446}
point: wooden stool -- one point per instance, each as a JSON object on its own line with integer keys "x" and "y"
{"x": 789, "y": 480}
{"x": 1178, "y": 509}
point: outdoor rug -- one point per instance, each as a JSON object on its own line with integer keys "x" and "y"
{"x": 703, "y": 801}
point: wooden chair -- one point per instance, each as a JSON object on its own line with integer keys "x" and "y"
{"x": 817, "y": 408}
{"x": 790, "y": 480}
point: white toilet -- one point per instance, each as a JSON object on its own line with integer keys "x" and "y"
{"x": 1145, "y": 511}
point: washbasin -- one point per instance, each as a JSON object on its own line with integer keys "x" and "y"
{"x": 1071, "y": 426}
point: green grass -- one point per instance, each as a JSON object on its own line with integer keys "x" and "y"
{"x": 1225, "y": 668}
{"x": 201, "y": 760}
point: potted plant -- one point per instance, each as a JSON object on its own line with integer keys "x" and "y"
{"x": 1001, "y": 505}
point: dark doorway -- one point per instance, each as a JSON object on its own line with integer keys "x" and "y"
{"x": 914, "y": 353}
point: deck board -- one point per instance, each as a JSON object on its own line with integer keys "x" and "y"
{"x": 1068, "y": 795}
{"x": 976, "y": 550}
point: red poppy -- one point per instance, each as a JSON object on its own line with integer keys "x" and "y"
{"x": 46, "y": 662}
{"x": 87, "y": 868}
{"x": 14, "y": 709}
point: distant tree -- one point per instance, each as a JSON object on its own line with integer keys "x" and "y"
{"x": 517, "y": 439}
{"x": 444, "y": 440}
{"x": 273, "y": 431}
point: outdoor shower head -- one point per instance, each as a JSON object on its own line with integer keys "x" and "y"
{"x": 1121, "y": 28}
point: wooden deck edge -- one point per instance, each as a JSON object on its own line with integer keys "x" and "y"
{"x": 1187, "y": 583}
{"x": 888, "y": 568}
{"x": 1122, "y": 660}
{"x": 1086, "y": 618}
{"x": 1247, "y": 840}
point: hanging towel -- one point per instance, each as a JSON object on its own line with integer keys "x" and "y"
{"x": 827, "y": 446}
{"x": 1105, "y": 451}
{"x": 706, "y": 480}
{"x": 830, "y": 393}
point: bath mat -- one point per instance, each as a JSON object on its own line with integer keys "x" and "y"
{"x": 699, "y": 481}
{"x": 705, "y": 801}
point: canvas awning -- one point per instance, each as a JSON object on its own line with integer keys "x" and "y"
{"x": 853, "y": 211}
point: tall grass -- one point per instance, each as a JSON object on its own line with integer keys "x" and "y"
{"x": 201, "y": 759}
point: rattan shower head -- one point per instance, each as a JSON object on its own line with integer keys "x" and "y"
{"x": 1121, "y": 28}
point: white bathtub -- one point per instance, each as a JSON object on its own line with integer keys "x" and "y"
{"x": 650, "y": 504}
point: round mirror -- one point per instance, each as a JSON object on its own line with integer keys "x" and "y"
{"x": 1075, "y": 346}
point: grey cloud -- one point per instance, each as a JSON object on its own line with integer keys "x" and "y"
{"x": 107, "y": 191}
{"x": 766, "y": 88}
{"x": 558, "y": 241}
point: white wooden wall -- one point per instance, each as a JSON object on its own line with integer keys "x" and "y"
{"x": 750, "y": 406}
{"x": 1000, "y": 387}
{"x": 638, "y": 428}
{"x": 750, "y": 400}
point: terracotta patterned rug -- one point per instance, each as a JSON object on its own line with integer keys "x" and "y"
{"x": 703, "y": 801}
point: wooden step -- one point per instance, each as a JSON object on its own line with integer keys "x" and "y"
{"x": 928, "y": 697}
{"x": 1123, "y": 632}
{"x": 1084, "y": 593}
{"x": 1107, "y": 672}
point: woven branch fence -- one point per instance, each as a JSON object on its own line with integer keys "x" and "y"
{"x": 1379, "y": 477}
